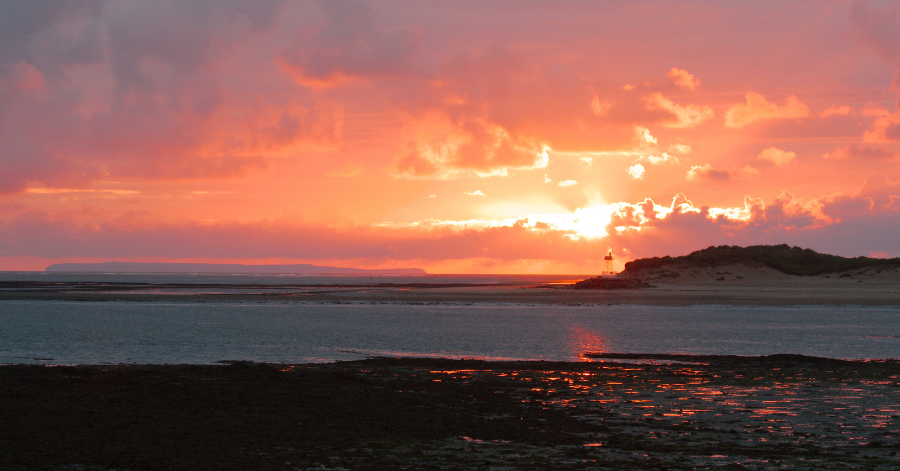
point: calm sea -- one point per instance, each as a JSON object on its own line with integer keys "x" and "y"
{"x": 47, "y": 332}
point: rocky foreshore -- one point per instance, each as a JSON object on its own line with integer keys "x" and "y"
{"x": 627, "y": 412}
{"x": 611, "y": 283}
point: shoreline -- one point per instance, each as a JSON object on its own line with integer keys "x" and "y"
{"x": 602, "y": 359}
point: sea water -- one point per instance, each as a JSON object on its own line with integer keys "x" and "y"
{"x": 55, "y": 332}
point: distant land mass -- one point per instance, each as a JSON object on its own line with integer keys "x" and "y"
{"x": 297, "y": 269}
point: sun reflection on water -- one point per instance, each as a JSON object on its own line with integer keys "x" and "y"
{"x": 582, "y": 340}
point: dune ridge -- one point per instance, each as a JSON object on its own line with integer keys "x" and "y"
{"x": 758, "y": 263}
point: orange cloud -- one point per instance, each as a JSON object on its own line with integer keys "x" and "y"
{"x": 682, "y": 149}
{"x": 636, "y": 171}
{"x": 441, "y": 150}
{"x": 644, "y": 138}
{"x": 777, "y": 156}
{"x": 663, "y": 158}
{"x": 688, "y": 116}
{"x": 683, "y": 79}
{"x": 757, "y": 108}
{"x": 599, "y": 108}
{"x": 348, "y": 171}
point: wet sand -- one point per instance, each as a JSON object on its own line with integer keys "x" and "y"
{"x": 779, "y": 412}
{"x": 785, "y": 291}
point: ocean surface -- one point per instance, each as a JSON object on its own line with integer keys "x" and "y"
{"x": 56, "y": 332}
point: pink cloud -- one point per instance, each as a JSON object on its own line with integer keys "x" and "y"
{"x": 272, "y": 100}
{"x": 476, "y": 110}
{"x": 467, "y": 116}
{"x": 349, "y": 45}
{"x": 708, "y": 172}
{"x": 165, "y": 112}
{"x": 23, "y": 78}
{"x": 757, "y": 108}
{"x": 843, "y": 224}
{"x": 857, "y": 151}
{"x": 826, "y": 223}
{"x": 835, "y": 110}
{"x": 877, "y": 27}
{"x": 885, "y": 128}
{"x": 42, "y": 235}
{"x": 882, "y": 191}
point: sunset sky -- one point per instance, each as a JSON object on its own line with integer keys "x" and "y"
{"x": 453, "y": 136}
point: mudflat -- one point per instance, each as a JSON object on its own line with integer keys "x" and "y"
{"x": 751, "y": 288}
{"x": 626, "y": 412}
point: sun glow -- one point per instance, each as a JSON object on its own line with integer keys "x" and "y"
{"x": 590, "y": 222}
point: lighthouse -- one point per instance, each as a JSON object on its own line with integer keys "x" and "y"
{"x": 608, "y": 270}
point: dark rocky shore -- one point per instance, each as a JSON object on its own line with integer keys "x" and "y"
{"x": 652, "y": 412}
{"x": 611, "y": 283}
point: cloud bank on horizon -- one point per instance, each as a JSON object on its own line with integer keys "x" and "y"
{"x": 354, "y": 133}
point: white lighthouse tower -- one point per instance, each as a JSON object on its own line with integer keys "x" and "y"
{"x": 608, "y": 270}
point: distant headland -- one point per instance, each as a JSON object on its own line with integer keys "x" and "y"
{"x": 220, "y": 268}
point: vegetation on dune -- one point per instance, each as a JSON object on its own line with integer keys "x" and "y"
{"x": 784, "y": 258}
